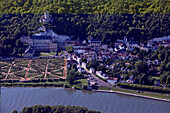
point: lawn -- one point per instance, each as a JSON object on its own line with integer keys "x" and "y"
{"x": 157, "y": 78}
{"x": 143, "y": 93}
{"x": 43, "y": 54}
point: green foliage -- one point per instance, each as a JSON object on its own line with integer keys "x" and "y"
{"x": 141, "y": 67}
{"x": 70, "y": 78}
{"x": 14, "y": 111}
{"x": 84, "y": 60}
{"x": 168, "y": 80}
{"x": 144, "y": 87}
{"x": 56, "y": 109}
{"x": 104, "y": 88}
{"x": 84, "y": 6}
{"x": 14, "y": 26}
{"x": 101, "y": 78}
{"x": 69, "y": 49}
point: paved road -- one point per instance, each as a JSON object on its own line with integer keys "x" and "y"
{"x": 93, "y": 78}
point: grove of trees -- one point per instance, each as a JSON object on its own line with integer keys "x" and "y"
{"x": 55, "y": 109}
{"x": 84, "y": 6}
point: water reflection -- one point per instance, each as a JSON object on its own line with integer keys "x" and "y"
{"x": 17, "y": 98}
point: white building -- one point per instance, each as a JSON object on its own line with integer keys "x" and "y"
{"x": 101, "y": 74}
{"x": 84, "y": 65}
{"x": 92, "y": 70}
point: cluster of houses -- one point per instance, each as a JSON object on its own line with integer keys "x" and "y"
{"x": 94, "y": 50}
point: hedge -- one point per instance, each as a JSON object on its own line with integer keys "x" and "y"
{"x": 31, "y": 84}
{"x": 101, "y": 78}
{"x": 144, "y": 87}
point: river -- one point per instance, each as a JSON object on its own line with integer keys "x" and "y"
{"x": 19, "y": 97}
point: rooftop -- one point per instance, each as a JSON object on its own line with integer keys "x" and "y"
{"x": 41, "y": 37}
{"x": 95, "y": 39}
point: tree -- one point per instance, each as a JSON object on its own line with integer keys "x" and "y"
{"x": 84, "y": 60}
{"x": 69, "y": 49}
{"x": 163, "y": 78}
{"x": 70, "y": 78}
{"x": 168, "y": 80}
{"x": 161, "y": 57}
{"x": 141, "y": 67}
{"x": 14, "y": 111}
{"x": 162, "y": 67}
{"x": 20, "y": 51}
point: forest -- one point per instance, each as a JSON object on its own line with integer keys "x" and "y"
{"x": 84, "y": 6}
{"x": 55, "y": 109}
{"x": 108, "y": 27}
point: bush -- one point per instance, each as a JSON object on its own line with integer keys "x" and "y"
{"x": 144, "y": 87}
{"x": 101, "y": 78}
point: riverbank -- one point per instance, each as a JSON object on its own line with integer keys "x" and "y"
{"x": 121, "y": 91}
{"x": 136, "y": 95}
{"x": 78, "y": 85}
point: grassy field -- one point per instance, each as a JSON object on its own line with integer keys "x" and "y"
{"x": 46, "y": 54}
{"x": 143, "y": 93}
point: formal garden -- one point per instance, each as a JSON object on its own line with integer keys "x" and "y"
{"x": 32, "y": 69}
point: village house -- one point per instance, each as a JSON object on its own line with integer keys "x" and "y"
{"x": 95, "y": 42}
{"x": 101, "y": 74}
{"x": 84, "y": 65}
{"x": 132, "y": 44}
{"x": 92, "y": 70}
{"x": 72, "y": 43}
{"x": 80, "y": 49}
{"x": 112, "y": 80}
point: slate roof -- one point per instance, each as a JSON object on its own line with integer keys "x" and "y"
{"x": 41, "y": 37}
{"x": 95, "y": 39}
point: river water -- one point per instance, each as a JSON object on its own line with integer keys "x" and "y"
{"x": 19, "y": 97}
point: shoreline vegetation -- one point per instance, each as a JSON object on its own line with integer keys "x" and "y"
{"x": 118, "y": 90}
{"x": 55, "y": 109}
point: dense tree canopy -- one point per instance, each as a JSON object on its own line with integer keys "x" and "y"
{"x": 56, "y": 109}
{"x": 84, "y": 6}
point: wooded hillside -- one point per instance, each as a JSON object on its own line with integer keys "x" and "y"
{"x": 84, "y": 6}
{"x": 141, "y": 27}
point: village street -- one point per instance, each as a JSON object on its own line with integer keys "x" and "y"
{"x": 93, "y": 78}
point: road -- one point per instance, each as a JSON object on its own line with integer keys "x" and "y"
{"x": 93, "y": 78}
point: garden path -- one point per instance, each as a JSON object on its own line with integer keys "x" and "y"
{"x": 65, "y": 68}
{"x": 9, "y": 70}
{"x": 27, "y": 70}
{"x": 45, "y": 76}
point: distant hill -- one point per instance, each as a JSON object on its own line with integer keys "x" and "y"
{"x": 84, "y": 6}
